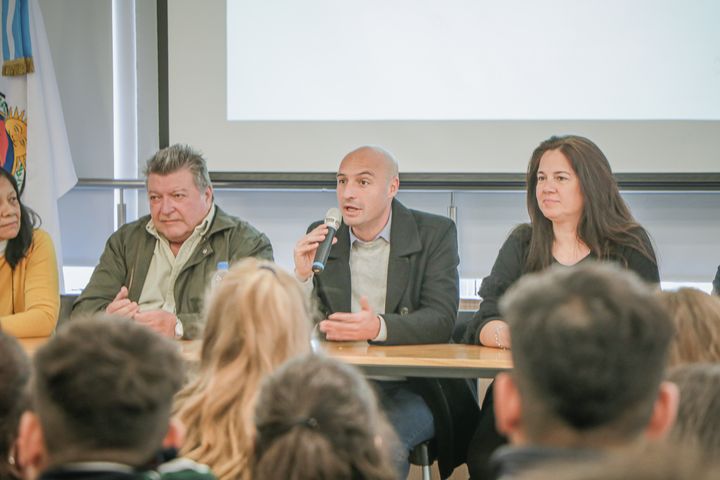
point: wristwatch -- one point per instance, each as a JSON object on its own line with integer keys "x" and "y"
{"x": 179, "y": 331}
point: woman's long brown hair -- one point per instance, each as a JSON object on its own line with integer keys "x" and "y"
{"x": 606, "y": 223}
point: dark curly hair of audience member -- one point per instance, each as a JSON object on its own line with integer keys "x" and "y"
{"x": 106, "y": 383}
{"x": 589, "y": 349}
{"x": 14, "y": 375}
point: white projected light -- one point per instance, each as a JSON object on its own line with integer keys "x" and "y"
{"x": 473, "y": 60}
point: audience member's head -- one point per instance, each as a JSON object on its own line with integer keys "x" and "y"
{"x": 716, "y": 283}
{"x": 14, "y": 375}
{"x": 698, "y": 418}
{"x": 102, "y": 391}
{"x": 589, "y": 350}
{"x": 696, "y": 316}
{"x": 256, "y": 319}
{"x": 658, "y": 461}
{"x": 318, "y": 418}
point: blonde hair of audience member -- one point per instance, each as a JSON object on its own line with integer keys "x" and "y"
{"x": 696, "y": 316}
{"x": 698, "y": 418}
{"x": 256, "y": 319}
{"x": 318, "y": 418}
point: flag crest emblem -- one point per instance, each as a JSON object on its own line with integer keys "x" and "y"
{"x": 13, "y": 141}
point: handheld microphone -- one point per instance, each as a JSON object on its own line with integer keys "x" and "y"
{"x": 332, "y": 220}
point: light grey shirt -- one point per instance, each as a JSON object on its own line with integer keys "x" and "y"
{"x": 368, "y": 273}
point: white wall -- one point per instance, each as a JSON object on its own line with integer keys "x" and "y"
{"x": 684, "y": 226}
{"x": 147, "y": 79}
{"x": 79, "y": 33}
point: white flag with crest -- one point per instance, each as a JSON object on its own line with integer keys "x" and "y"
{"x": 33, "y": 140}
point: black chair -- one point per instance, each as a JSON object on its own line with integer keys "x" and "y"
{"x": 422, "y": 457}
{"x": 463, "y": 318}
{"x": 66, "y": 304}
{"x": 454, "y": 426}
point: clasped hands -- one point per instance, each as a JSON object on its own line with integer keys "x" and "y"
{"x": 363, "y": 325}
{"x": 158, "y": 320}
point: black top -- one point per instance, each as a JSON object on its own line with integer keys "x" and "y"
{"x": 716, "y": 283}
{"x": 510, "y": 266}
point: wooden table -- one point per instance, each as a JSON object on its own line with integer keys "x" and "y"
{"x": 190, "y": 349}
{"x": 442, "y": 360}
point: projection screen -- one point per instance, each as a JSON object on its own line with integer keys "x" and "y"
{"x": 469, "y": 86}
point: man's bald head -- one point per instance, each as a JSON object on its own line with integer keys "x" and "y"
{"x": 385, "y": 161}
{"x": 367, "y": 182}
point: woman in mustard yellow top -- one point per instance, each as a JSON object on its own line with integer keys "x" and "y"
{"x": 29, "y": 291}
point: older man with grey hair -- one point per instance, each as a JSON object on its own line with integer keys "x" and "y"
{"x": 155, "y": 270}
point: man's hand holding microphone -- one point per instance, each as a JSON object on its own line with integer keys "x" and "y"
{"x": 311, "y": 251}
{"x": 311, "y": 254}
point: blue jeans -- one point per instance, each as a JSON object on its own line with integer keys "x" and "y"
{"x": 410, "y": 417}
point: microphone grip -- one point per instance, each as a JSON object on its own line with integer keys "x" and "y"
{"x": 323, "y": 251}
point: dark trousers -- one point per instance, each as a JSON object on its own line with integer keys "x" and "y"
{"x": 485, "y": 440}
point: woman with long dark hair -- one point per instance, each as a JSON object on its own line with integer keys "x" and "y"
{"x": 576, "y": 215}
{"x": 29, "y": 290}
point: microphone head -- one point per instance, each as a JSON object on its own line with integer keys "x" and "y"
{"x": 333, "y": 218}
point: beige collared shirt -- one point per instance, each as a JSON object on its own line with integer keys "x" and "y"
{"x": 158, "y": 292}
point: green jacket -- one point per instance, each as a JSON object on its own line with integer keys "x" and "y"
{"x": 177, "y": 469}
{"x": 127, "y": 256}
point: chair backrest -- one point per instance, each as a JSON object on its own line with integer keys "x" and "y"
{"x": 66, "y": 304}
{"x": 463, "y": 317}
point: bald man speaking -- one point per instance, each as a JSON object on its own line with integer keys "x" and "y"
{"x": 391, "y": 278}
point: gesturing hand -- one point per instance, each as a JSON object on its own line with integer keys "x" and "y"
{"x": 363, "y": 325}
{"x": 121, "y": 305}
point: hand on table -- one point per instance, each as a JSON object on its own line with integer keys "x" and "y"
{"x": 363, "y": 325}
{"x": 495, "y": 333}
{"x": 158, "y": 320}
